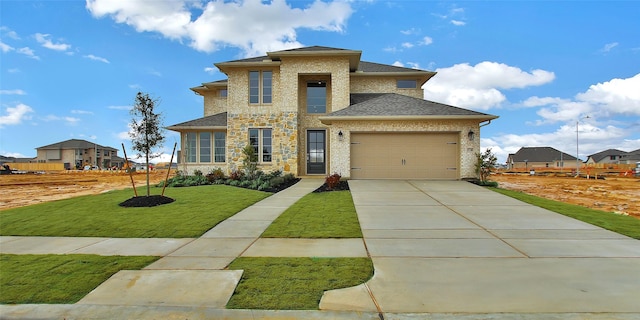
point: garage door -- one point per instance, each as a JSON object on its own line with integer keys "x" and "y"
{"x": 404, "y": 156}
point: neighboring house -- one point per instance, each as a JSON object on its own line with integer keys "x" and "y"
{"x": 75, "y": 154}
{"x": 540, "y": 157}
{"x": 319, "y": 111}
{"x": 614, "y": 156}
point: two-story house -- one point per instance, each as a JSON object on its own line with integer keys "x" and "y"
{"x": 320, "y": 110}
{"x": 76, "y": 153}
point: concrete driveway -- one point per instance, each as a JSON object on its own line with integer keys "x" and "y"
{"x": 454, "y": 247}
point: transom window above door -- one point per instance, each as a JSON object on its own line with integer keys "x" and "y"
{"x": 316, "y": 97}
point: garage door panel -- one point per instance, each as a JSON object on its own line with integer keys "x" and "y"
{"x": 404, "y": 155}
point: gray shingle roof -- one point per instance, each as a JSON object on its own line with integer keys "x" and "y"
{"x": 540, "y": 154}
{"x": 392, "y": 104}
{"x": 74, "y": 144}
{"x": 606, "y": 153}
{"x": 216, "y": 120}
{"x": 366, "y": 66}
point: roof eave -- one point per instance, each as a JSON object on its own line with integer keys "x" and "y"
{"x": 331, "y": 119}
{"x": 239, "y": 64}
{"x": 182, "y": 128}
{"x": 424, "y": 76}
{"x": 354, "y": 55}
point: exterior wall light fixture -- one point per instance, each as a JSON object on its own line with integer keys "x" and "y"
{"x": 340, "y": 135}
{"x": 471, "y": 135}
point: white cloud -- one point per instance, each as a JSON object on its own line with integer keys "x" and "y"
{"x": 458, "y": 23}
{"x": 254, "y": 26}
{"x": 410, "y": 31}
{"x": 135, "y": 86}
{"x": 9, "y": 33}
{"x": 426, "y": 41}
{"x": 607, "y": 47}
{"x": 67, "y": 120}
{"x": 13, "y": 92}
{"x": 44, "y": 40}
{"x": 398, "y": 64}
{"x": 13, "y": 154}
{"x": 620, "y": 96}
{"x": 81, "y": 112}
{"x": 28, "y": 52}
{"x": 13, "y": 70}
{"x": 5, "y": 47}
{"x": 602, "y": 100}
{"x": 96, "y": 58}
{"x": 119, "y": 108}
{"x": 210, "y": 70}
{"x": 15, "y": 115}
{"x": 155, "y": 73}
{"x": 478, "y": 87}
{"x": 407, "y": 45}
{"x": 413, "y": 65}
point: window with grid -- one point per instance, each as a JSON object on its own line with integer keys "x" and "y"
{"x": 205, "y": 146}
{"x": 219, "y": 150}
{"x": 260, "y": 140}
{"x": 190, "y": 147}
{"x": 260, "y": 87}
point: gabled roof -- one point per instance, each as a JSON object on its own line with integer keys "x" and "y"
{"x": 216, "y": 121}
{"x": 540, "y": 154}
{"x": 606, "y": 153}
{"x": 393, "y": 106}
{"x": 74, "y": 144}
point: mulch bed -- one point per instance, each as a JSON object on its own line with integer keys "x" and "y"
{"x": 342, "y": 186}
{"x": 144, "y": 201}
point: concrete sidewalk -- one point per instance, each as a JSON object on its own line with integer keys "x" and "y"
{"x": 453, "y": 247}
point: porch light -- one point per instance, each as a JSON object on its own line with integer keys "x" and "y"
{"x": 340, "y": 135}
{"x": 471, "y": 135}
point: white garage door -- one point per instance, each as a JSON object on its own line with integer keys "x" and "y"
{"x": 405, "y": 156}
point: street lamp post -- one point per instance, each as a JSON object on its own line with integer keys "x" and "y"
{"x": 577, "y": 144}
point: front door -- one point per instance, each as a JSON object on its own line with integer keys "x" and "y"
{"x": 316, "y": 152}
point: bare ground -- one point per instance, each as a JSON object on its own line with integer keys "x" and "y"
{"x": 617, "y": 194}
{"x": 18, "y": 190}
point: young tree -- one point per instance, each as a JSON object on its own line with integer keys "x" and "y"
{"x": 485, "y": 164}
{"x": 146, "y": 129}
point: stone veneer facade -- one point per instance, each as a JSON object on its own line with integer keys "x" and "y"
{"x": 288, "y": 118}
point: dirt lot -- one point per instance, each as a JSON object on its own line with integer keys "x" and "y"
{"x": 615, "y": 193}
{"x": 19, "y": 190}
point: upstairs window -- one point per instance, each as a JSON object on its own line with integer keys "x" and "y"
{"x": 317, "y": 97}
{"x": 260, "y": 87}
{"x": 222, "y": 93}
{"x": 407, "y": 84}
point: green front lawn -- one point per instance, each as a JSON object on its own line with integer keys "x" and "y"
{"x": 318, "y": 215}
{"x": 298, "y": 283}
{"x": 294, "y": 283}
{"x": 625, "y": 225}
{"x": 196, "y": 210}
{"x": 58, "y": 278}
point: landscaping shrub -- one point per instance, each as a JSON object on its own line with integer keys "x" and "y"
{"x": 332, "y": 181}
{"x": 215, "y": 175}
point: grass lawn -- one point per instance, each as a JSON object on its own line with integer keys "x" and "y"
{"x": 294, "y": 283}
{"x": 625, "y": 225}
{"x": 318, "y": 215}
{"x": 58, "y": 278}
{"x": 196, "y": 210}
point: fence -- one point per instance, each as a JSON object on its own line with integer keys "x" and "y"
{"x": 36, "y": 166}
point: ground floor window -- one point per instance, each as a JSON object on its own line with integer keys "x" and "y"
{"x": 198, "y": 147}
{"x": 260, "y": 140}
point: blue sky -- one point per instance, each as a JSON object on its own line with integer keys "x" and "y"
{"x": 71, "y": 69}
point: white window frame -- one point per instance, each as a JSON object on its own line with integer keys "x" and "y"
{"x": 265, "y": 90}
{"x": 262, "y": 143}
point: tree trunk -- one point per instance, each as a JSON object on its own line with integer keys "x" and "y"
{"x": 148, "y": 188}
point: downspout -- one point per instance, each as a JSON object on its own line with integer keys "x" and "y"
{"x": 486, "y": 124}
